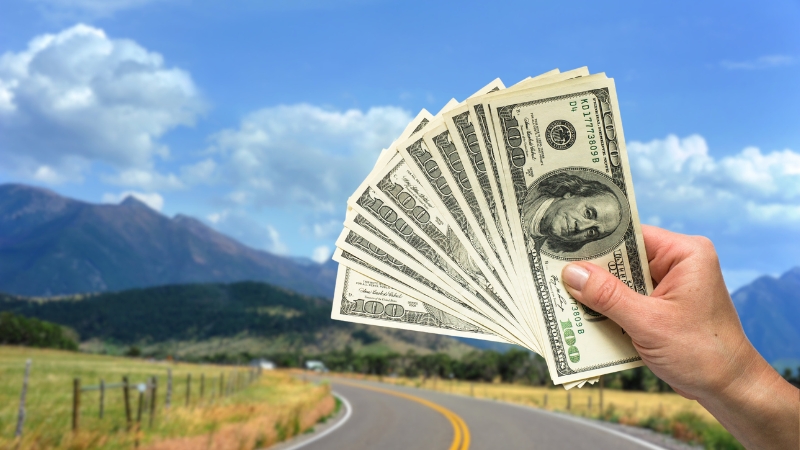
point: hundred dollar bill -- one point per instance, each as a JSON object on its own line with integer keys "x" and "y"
{"x": 379, "y": 223}
{"x": 476, "y": 144}
{"x": 455, "y": 170}
{"x": 570, "y": 198}
{"x": 468, "y": 167}
{"x": 359, "y": 298}
{"x": 406, "y": 196}
{"x": 386, "y": 257}
{"x": 428, "y": 178}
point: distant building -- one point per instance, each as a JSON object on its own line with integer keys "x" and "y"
{"x": 264, "y": 364}
{"x": 316, "y": 366}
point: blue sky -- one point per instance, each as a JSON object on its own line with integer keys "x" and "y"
{"x": 260, "y": 117}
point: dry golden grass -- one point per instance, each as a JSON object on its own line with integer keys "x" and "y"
{"x": 274, "y": 407}
{"x": 629, "y": 406}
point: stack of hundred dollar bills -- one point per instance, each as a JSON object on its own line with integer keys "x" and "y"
{"x": 465, "y": 223}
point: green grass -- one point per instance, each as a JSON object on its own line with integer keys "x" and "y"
{"x": 274, "y": 397}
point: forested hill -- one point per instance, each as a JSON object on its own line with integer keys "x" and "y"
{"x": 227, "y": 317}
{"x": 191, "y": 311}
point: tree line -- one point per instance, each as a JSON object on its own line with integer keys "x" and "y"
{"x": 20, "y": 330}
{"x": 513, "y": 366}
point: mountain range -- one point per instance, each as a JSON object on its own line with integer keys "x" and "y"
{"x": 51, "y": 245}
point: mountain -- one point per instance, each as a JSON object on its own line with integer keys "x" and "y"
{"x": 207, "y": 320}
{"x": 52, "y": 245}
{"x": 768, "y": 308}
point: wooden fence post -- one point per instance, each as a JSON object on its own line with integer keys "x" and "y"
{"x": 127, "y": 396}
{"x": 545, "y": 401}
{"x": 168, "y": 399}
{"x": 188, "y": 388}
{"x": 221, "y": 384}
{"x": 589, "y": 406}
{"x": 153, "y": 397}
{"x": 139, "y": 415}
{"x": 21, "y": 413}
{"x": 76, "y": 403}
{"x": 569, "y": 401}
{"x": 202, "y": 385}
{"x": 102, "y": 396}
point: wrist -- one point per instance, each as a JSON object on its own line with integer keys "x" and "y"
{"x": 756, "y": 404}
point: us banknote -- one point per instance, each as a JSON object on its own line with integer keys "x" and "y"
{"x": 466, "y": 221}
{"x": 362, "y": 299}
{"x": 378, "y": 250}
{"x": 570, "y": 198}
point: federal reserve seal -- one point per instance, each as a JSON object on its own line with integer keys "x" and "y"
{"x": 560, "y": 134}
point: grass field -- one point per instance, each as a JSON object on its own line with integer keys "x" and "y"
{"x": 667, "y": 413}
{"x": 629, "y": 405}
{"x": 274, "y": 407}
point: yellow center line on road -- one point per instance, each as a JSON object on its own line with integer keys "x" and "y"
{"x": 461, "y": 436}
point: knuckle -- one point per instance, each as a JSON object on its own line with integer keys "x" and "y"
{"x": 705, "y": 249}
{"x": 704, "y": 243}
{"x": 607, "y": 293}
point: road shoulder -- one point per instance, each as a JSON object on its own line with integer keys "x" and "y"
{"x": 320, "y": 429}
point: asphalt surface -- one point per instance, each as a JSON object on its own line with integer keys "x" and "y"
{"x": 380, "y": 420}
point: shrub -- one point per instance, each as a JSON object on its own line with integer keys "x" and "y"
{"x": 20, "y": 330}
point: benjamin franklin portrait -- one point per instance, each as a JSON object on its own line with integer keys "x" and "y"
{"x": 575, "y": 213}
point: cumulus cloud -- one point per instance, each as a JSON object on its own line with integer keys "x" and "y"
{"x": 151, "y": 199}
{"x": 199, "y": 171}
{"x": 94, "y": 8}
{"x": 242, "y": 225}
{"x": 303, "y": 155}
{"x": 78, "y": 97}
{"x": 147, "y": 179}
{"x": 763, "y": 62}
{"x": 747, "y": 202}
{"x": 326, "y": 229}
{"x": 678, "y": 180}
{"x": 321, "y": 254}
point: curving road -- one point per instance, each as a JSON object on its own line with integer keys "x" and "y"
{"x": 398, "y": 418}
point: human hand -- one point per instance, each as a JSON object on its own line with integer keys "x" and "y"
{"x": 688, "y": 332}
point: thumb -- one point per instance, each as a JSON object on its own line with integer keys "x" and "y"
{"x": 607, "y": 295}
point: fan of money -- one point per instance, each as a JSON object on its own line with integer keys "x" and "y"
{"x": 465, "y": 223}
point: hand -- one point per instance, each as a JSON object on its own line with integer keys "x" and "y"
{"x": 689, "y": 334}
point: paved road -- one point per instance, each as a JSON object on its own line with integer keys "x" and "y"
{"x": 421, "y": 419}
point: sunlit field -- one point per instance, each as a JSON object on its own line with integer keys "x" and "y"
{"x": 629, "y": 406}
{"x": 667, "y": 413}
{"x": 252, "y": 412}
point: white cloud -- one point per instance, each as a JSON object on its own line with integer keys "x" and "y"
{"x": 303, "y": 154}
{"x": 95, "y": 8}
{"x": 198, "y": 172}
{"x": 748, "y": 202}
{"x": 78, "y": 97}
{"x": 146, "y": 179}
{"x": 764, "y": 62}
{"x": 242, "y": 226}
{"x": 321, "y": 254}
{"x": 217, "y": 217}
{"x": 678, "y": 179}
{"x": 328, "y": 229}
{"x": 151, "y": 199}
{"x": 276, "y": 245}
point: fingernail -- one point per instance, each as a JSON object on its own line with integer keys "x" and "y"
{"x": 575, "y": 276}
